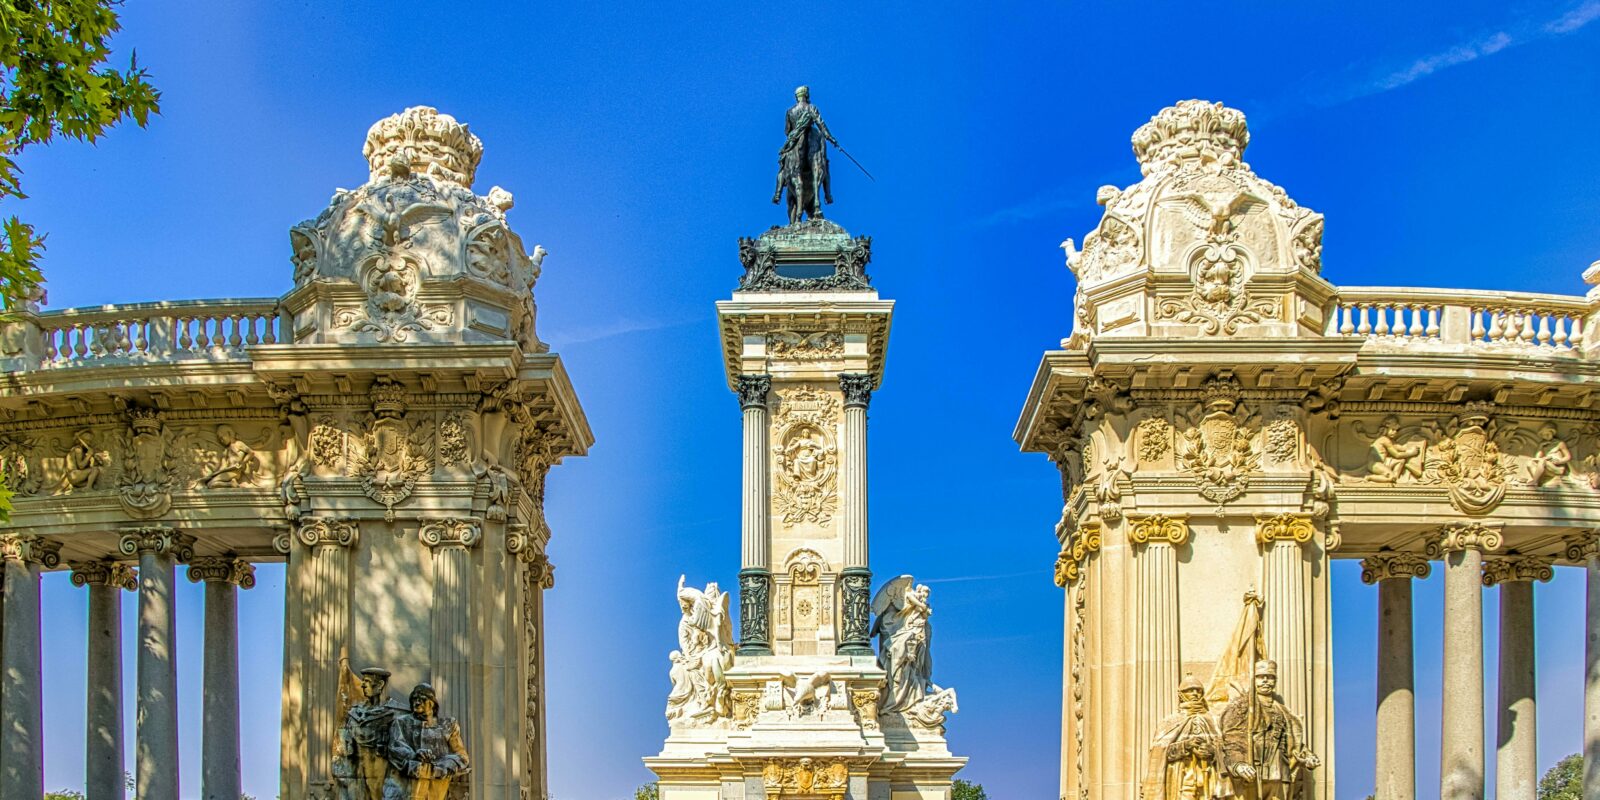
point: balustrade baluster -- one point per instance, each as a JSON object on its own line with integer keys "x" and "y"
{"x": 141, "y": 340}
{"x": 1433, "y": 321}
{"x": 49, "y": 345}
{"x": 1544, "y": 330}
{"x": 1346, "y": 327}
{"x": 1562, "y": 323}
{"x": 250, "y": 336}
{"x": 235, "y": 341}
{"x": 202, "y": 339}
{"x": 1364, "y": 327}
{"x": 269, "y": 334}
{"x": 1477, "y": 324}
{"x": 1383, "y": 310}
{"x": 1525, "y": 326}
{"x": 1416, "y": 319}
{"x": 1496, "y": 329}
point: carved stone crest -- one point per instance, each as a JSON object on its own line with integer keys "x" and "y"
{"x": 805, "y": 777}
{"x": 806, "y": 456}
{"x": 395, "y": 454}
{"x": 1219, "y": 449}
{"x": 145, "y": 484}
{"x": 1468, "y": 461}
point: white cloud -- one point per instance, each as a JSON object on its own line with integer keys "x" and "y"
{"x": 1575, "y": 19}
{"x": 1480, "y": 47}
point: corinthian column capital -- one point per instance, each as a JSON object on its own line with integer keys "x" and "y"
{"x": 753, "y": 390}
{"x": 1394, "y": 565}
{"x": 158, "y": 539}
{"x": 857, "y": 388}
{"x": 28, "y": 548}
{"x": 1511, "y": 569}
{"x": 1463, "y": 536}
{"x": 223, "y": 569}
{"x": 105, "y": 573}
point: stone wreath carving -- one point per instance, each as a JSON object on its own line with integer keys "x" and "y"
{"x": 807, "y": 456}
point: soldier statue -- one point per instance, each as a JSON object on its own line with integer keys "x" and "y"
{"x": 360, "y": 761}
{"x": 1186, "y": 754}
{"x": 803, "y": 161}
{"x": 1264, "y": 744}
{"x": 426, "y": 753}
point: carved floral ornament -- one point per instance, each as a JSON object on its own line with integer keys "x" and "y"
{"x": 1511, "y": 569}
{"x": 805, "y": 345}
{"x": 1073, "y": 555}
{"x": 1389, "y": 564}
{"x": 1218, "y": 449}
{"x": 1159, "y": 528}
{"x": 803, "y": 777}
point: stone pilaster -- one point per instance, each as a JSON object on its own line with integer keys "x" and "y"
{"x": 21, "y": 665}
{"x": 1461, "y": 757}
{"x": 451, "y": 540}
{"x": 1155, "y": 541}
{"x": 317, "y": 622}
{"x": 1584, "y": 550}
{"x": 538, "y": 577}
{"x": 755, "y": 575}
{"x": 219, "y": 743}
{"x": 156, "y": 749}
{"x": 1396, "y": 772}
{"x": 1516, "y": 751}
{"x": 856, "y": 576}
{"x": 1286, "y": 583}
{"x": 103, "y": 762}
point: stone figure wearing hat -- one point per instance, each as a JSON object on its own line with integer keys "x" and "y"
{"x": 360, "y": 761}
{"x": 1185, "y": 755}
{"x": 1263, "y": 743}
{"x": 426, "y": 752}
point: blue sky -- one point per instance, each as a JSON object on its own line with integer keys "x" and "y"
{"x": 1449, "y": 144}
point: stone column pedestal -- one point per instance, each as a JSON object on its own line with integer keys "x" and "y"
{"x": 1461, "y": 757}
{"x": 156, "y": 750}
{"x": 219, "y": 746}
{"x": 21, "y": 665}
{"x": 755, "y": 575}
{"x": 1396, "y": 772}
{"x": 103, "y": 762}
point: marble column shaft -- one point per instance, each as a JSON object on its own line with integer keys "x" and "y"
{"x": 1516, "y": 750}
{"x": 322, "y": 581}
{"x": 856, "y": 576}
{"x": 451, "y": 644}
{"x": 1156, "y": 662}
{"x": 1396, "y": 773}
{"x": 1461, "y": 755}
{"x": 1586, "y": 550}
{"x": 755, "y": 550}
{"x": 21, "y": 666}
{"x": 1286, "y": 585}
{"x": 219, "y": 746}
{"x": 156, "y": 748}
{"x": 103, "y": 761}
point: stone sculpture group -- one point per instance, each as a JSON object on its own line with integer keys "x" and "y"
{"x": 389, "y": 752}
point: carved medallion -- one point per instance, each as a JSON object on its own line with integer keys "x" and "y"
{"x": 807, "y": 457}
{"x": 1468, "y": 462}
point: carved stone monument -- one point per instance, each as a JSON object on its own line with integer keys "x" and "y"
{"x": 803, "y": 707}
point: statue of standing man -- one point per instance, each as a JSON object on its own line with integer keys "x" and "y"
{"x": 803, "y": 161}
{"x": 360, "y": 761}
{"x": 1264, "y": 744}
{"x": 1184, "y": 760}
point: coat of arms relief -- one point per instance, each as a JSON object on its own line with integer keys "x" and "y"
{"x": 1218, "y": 448}
{"x": 806, "y": 455}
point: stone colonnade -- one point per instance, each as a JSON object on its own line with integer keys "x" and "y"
{"x": 1471, "y": 562}
{"x": 159, "y": 550}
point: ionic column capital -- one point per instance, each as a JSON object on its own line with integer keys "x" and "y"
{"x": 1296, "y": 528}
{"x": 223, "y": 569}
{"x": 1511, "y": 569}
{"x": 463, "y": 532}
{"x": 105, "y": 573}
{"x": 1464, "y": 536}
{"x": 1158, "y": 528}
{"x": 1069, "y": 562}
{"x": 158, "y": 539}
{"x": 1583, "y": 546}
{"x": 29, "y": 548}
{"x": 753, "y": 390}
{"x": 857, "y": 388}
{"x": 319, "y": 532}
{"x": 1386, "y": 565}
{"x": 540, "y": 570}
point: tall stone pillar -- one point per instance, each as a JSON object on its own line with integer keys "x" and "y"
{"x": 1461, "y": 758}
{"x": 21, "y": 667}
{"x": 1585, "y": 550}
{"x": 538, "y": 577}
{"x": 1516, "y": 751}
{"x": 1286, "y": 615}
{"x": 156, "y": 749}
{"x": 1155, "y": 541}
{"x": 755, "y": 573}
{"x": 451, "y": 646}
{"x": 318, "y": 606}
{"x": 856, "y": 576}
{"x": 1397, "y": 701}
{"x": 103, "y": 763}
{"x": 219, "y": 743}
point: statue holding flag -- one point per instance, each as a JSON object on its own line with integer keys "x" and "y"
{"x": 1263, "y": 743}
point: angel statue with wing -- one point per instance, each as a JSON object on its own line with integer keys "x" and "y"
{"x": 900, "y": 621}
{"x": 704, "y": 654}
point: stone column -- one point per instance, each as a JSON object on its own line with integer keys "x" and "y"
{"x": 1155, "y": 541}
{"x": 156, "y": 748}
{"x": 755, "y": 574}
{"x": 1461, "y": 759}
{"x": 539, "y": 576}
{"x": 1397, "y": 701}
{"x": 1286, "y": 594}
{"x": 1585, "y": 549}
{"x": 451, "y": 643}
{"x": 1517, "y": 753}
{"x": 102, "y": 751}
{"x": 21, "y": 666}
{"x": 319, "y": 595}
{"x": 854, "y": 639}
{"x": 219, "y": 742}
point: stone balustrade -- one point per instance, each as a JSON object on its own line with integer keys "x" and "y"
{"x": 1395, "y": 315}
{"x": 138, "y": 332}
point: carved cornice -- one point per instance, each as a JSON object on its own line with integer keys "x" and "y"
{"x": 28, "y": 548}
{"x": 1386, "y": 565}
{"x": 462, "y": 532}
{"x": 157, "y": 539}
{"x": 753, "y": 390}
{"x": 1297, "y": 528}
{"x": 1582, "y": 547}
{"x": 223, "y": 569}
{"x": 1511, "y": 569}
{"x": 1159, "y": 528}
{"x": 857, "y": 388}
{"x": 105, "y": 573}
{"x": 1069, "y": 562}
{"x": 1464, "y": 536}
{"x": 322, "y": 532}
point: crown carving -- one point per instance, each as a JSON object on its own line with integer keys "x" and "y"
{"x": 388, "y": 398}
{"x": 420, "y": 140}
{"x": 144, "y": 421}
{"x": 1193, "y": 131}
{"x": 1221, "y": 394}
